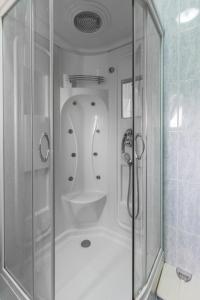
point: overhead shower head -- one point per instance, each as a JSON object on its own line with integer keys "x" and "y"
{"x": 87, "y": 21}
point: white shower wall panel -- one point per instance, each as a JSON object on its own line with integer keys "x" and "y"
{"x": 70, "y": 63}
{"x": 84, "y": 140}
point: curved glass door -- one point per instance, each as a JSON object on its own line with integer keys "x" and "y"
{"x": 153, "y": 142}
{"x": 140, "y": 163}
{"x": 148, "y": 142}
{"x": 42, "y": 151}
{"x": 28, "y": 158}
{"x": 18, "y": 229}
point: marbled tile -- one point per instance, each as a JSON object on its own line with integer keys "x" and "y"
{"x": 188, "y": 156}
{"x": 181, "y": 135}
{"x": 189, "y": 111}
{"x": 160, "y": 4}
{"x": 170, "y": 245}
{"x": 189, "y": 207}
{"x": 171, "y": 56}
{"x": 185, "y": 6}
{"x": 168, "y": 12}
{"x": 171, "y": 10}
{"x": 189, "y": 48}
{"x": 188, "y": 247}
{"x": 170, "y": 203}
{"x": 170, "y": 155}
{"x": 171, "y": 105}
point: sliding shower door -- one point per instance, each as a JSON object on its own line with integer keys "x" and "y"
{"x": 153, "y": 143}
{"x": 140, "y": 162}
{"x": 17, "y": 103}
{"x": 28, "y": 159}
{"x": 42, "y": 151}
{"x": 148, "y": 144}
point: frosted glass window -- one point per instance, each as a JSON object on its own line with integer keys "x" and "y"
{"x": 127, "y": 101}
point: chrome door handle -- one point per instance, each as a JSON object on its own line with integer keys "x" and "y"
{"x": 138, "y": 156}
{"x": 44, "y": 158}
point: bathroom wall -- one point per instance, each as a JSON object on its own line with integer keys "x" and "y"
{"x": 181, "y": 133}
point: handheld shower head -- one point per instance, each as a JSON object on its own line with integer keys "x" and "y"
{"x": 127, "y": 141}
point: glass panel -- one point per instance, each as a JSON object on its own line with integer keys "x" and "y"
{"x": 124, "y": 170}
{"x": 42, "y": 181}
{"x": 139, "y": 165}
{"x": 147, "y": 114}
{"x": 18, "y": 144}
{"x": 153, "y": 143}
{"x": 127, "y": 99}
{"x": 93, "y": 169}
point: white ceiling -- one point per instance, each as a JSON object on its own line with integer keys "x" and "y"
{"x": 116, "y": 31}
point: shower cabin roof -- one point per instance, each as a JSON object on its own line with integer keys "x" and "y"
{"x": 115, "y": 30}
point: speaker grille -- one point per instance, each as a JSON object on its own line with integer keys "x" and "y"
{"x": 87, "y": 21}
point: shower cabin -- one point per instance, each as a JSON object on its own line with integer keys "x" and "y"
{"x": 80, "y": 150}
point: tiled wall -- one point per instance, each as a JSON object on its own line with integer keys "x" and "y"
{"x": 181, "y": 134}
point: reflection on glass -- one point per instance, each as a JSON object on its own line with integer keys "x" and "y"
{"x": 127, "y": 108}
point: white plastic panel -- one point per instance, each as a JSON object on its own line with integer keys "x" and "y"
{"x": 83, "y": 154}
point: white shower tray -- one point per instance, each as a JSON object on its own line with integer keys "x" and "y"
{"x": 86, "y": 206}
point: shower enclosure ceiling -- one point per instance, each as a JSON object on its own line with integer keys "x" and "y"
{"x": 113, "y": 25}
{"x": 81, "y": 159}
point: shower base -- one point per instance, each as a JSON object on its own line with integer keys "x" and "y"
{"x": 100, "y": 271}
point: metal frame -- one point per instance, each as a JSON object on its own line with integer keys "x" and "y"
{"x": 10, "y": 281}
{"x": 52, "y": 160}
{"x": 154, "y": 275}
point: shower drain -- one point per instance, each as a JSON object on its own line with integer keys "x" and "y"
{"x": 85, "y": 243}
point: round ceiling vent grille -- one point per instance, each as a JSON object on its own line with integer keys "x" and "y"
{"x": 87, "y": 21}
